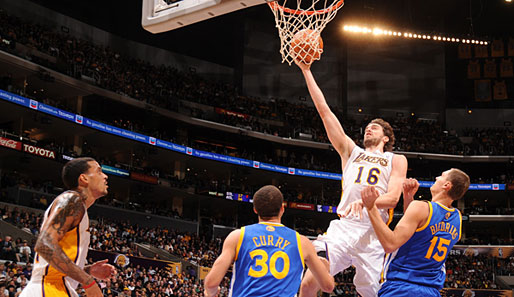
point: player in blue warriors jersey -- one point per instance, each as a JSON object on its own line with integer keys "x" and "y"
{"x": 419, "y": 245}
{"x": 268, "y": 257}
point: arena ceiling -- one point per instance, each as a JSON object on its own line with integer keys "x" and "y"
{"x": 224, "y": 36}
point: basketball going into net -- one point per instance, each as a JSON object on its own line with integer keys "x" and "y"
{"x": 307, "y": 46}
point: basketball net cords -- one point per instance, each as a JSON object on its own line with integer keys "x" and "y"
{"x": 291, "y": 21}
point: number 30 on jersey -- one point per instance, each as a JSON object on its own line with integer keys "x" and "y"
{"x": 261, "y": 262}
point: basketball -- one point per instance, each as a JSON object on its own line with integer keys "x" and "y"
{"x": 307, "y": 45}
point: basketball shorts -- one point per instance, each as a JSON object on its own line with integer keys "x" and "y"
{"x": 349, "y": 243}
{"x": 57, "y": 288}
{"x": 405, "y": 289}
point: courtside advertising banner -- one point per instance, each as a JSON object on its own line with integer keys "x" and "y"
{"x": 115, "y": 171}
{"x": 83, "y": 121}
{"x": 31, "y": 149}
{"x": 9, "y": 143}
{"x": 498, "y": 251}
{"x": 479, "y": 187}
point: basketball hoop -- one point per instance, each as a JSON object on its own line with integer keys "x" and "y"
{"x": 290, "y": 21}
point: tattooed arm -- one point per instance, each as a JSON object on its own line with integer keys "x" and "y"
{"x": 67, "y": 212}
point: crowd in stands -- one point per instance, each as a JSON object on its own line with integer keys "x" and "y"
{"x": 129, "y": 281}
{"x": 476, "y": 271}
{"x": 152, "y": 281}
{"x": 167, "y": 87}
{"x": 119, "y": 237}
{"x": 478, "y": 210}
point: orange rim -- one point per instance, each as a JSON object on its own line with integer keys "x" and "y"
{"x": 274, "y": 6}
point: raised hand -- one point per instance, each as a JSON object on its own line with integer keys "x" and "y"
{"x": 302, "y": 65}
{"x": 369, "y": 195}
{"x": 410, "y": 187}
{"x": 354, "y": 209}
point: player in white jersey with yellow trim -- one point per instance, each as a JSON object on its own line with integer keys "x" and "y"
{"x": 61, "y": 248}
{"x": 351, "y": 239}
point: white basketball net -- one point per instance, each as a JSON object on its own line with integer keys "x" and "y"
{"x": 290, "y": 21}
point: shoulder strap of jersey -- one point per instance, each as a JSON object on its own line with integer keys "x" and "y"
{"x": 429, "y": 218}
{"x": 356, "y": 149}
{"x": 300, "y": 250}
{"x": 239, "y": 242}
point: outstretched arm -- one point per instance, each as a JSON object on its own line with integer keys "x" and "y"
{"x": 66, "y": 214}
{"x": 341, "y": 142}
{"x": 410, "y": 187}
{"x": 415, "y": 216}
{"x": 395, "y": 185}
{"x": 221, "y": 265}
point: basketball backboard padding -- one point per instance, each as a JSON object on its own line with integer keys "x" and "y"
{"x": 158, "y": 16}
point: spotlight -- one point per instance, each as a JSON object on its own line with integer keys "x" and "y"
{"x": 359, "y": 110}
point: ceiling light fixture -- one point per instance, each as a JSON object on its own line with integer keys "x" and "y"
{"x": 386, "y": 32}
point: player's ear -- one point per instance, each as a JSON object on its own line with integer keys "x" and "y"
{"x": 83, "y": 180}
{"x": 447, "y": 186}
{"x": 385, "y": 139}
{"x": 282, "y": 210}
{"x": 255, "y": 210}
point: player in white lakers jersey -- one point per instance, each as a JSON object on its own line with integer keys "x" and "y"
{"x": 351, "y": 240}
{"x": 61, "y": 248}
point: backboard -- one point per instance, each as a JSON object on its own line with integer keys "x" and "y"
{"x": 165, "y": 15}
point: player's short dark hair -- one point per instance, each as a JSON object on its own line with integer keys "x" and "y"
{"x": 460, "y": 183}
{"x": 73, "y": 169}
{"x": 388, "y": 131}
{"x": 267, "y": 201}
